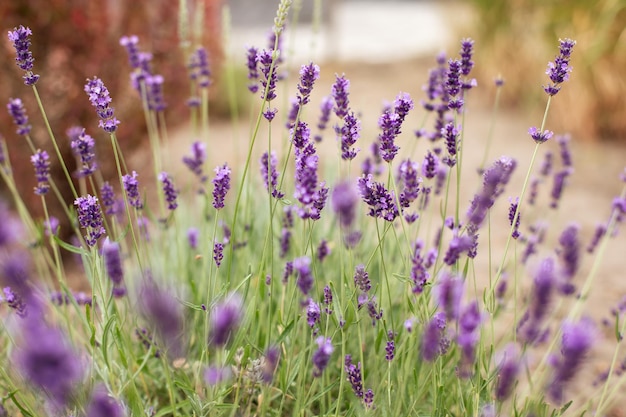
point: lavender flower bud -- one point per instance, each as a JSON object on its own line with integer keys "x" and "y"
{"x": 546, "y": 166}
{"x": 559, "y": 69}
{"x": 559, "y": 182}
{"x": 361, "y": 279}
{"x": 328, "y": 300}
{"x": 508, "y": 369}
{"x": 448, "y": 293}
{"x": 354, "y": 377}
{"x": 108, "y": 198}
{"x": 83, "y": 147}
{"x": 24, "y": 57}
{"x": 322, "y": 250}
{"x": 100, "y": 99}
{"x": 313, "y": 313}
{"x": 308, "y": 75}
{"x": 302, "y": 266}
{"x": 375, "y": 195}
{"x": 451, "y": 136}
{"x": 350, "y": 132}
{"x": 326, "y": 107}
{"x": 169, "y": 191}
{"x": 419, "y": 274}
{"x": 433, "y": 336}
{"x": 285, "y": 242}
{"x": 598, "y": 234}
{"x": 467, "y": 46}
{"x": 430, "y": 165}
{"x": 90, "y": 218}
{"x": 343, "y": 202}
{"x": 340, "y": 93}
{"x": 458, "y": 246}
{"x": 18, "y": 113}
{"x": 192, "y": 237}
{"x": 221, "y": 184}
{"x": 214, "y": 375}
{"x": 199, "y": 70}
{"x": 566, "y": 155}
{"x": 576, "y": 342}
{"x": 321, "y": 357}
{"x": 270, "y": 178}
{"x": 543, "y": 286}
{"x": 264, "y": 58}
{"x": 570, "y": 255}
{"x": 131, "y": 186}
{"x": 162, "y": 311}
{"x": 218, "y": 253}
{"x": 225, "y": 319}
{"x": 103, "y": 405}
{"x": 113, "y": 261}
{"x": 14, "y": 301}
{"x": 48, "y": 362}
{"x": 41, "y": 162}
{"x": 130, "y": 44}
{"x": 512, "y": 210}
{"x": 196, "y": 160}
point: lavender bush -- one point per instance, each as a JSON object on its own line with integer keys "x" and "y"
{"x": 252, "y": 294}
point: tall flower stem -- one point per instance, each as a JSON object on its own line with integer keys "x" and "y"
{"x": 54, "y": 142}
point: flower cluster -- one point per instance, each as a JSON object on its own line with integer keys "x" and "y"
{"x": 101, "y": 100}
{"x": 24, "y": 57}
{"x": 90, "y": 218}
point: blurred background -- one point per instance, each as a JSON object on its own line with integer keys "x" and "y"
{"x": 384, "y": 41}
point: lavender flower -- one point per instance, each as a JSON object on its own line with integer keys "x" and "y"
{"x": 285, "y": 240}
{"x": 113, "y": 261}
{"x": 162, "y": 311}
{"x": 225, "y": 318}
{"x": 14, "y": 301}
{"x": 313, "y": 313}
{"x": 131, "y": 186}
{"x": 570, "y": 255}
{"x": 353, "y": 374}
{"x": 373, "y": 311}
{"x": 302, "y": 266}
{"x": 566, "y": 155}
{"x": 598, "y": 234}
{"x": 468, "y": 336}
{"x": 253, "y": 72}
{"x": 323, "y": 250}
{"x": 101, "y": 100}
{"x": 103, "y": 405}
{"x": 512, "y": 210}
{"x": 559, "y": 69}
{"x": 419, "y": 274}
{"x": 467, "y": 46}
{"x": 433, "y": 337}
{"x": 24, "y": 57}
{"x": 270, "y": 178}
{"x": 196, "y": 160}
{"x": 83, "y": 147}
{"x": 18, "y": 113}
{"x": 368, "y": 399}
{"x": 576, "y": 342}
{"x": 41, "y": 162}
{"x": 221, "y": 185}
{"x": 339, "y": 92}
{"x": 546, "y": 166}
{"x": 343, "y": 202}
{"x": 264, "y": 59}
{"x": 90, "y": 218}
{"x": 169, "y": 191}
{"x": 108, "y": 198}
{"x": 48, "y": 362}
{"x": 130, "y": 44}
{"x": 458, "y": 246}
{"x": 453, "y": 84}
{"x": 508, "y": 369}
{"x": 451, "y": 136}
{"x": 543, "y": 286}
{"x": 494, "y": 180}
{"x": 328, "y": 300}
{"x": 361, "y": 279}
{"x": 326, "y": 106}
{"x": 308, "y": 75}
{"x": 192, "y": 237}
{"x": 559, "y": 182}
{"x": 350, "y": 132}
{"x": 199, "y": 70}
{"x": 539, "y": 136}
{"x": 218, "y": 253}
{"x": 448, "y": 293}
{"x": 390, "y": 349}
{"x": 154, "y": 92}
{"x": 322, "y": 355}
{"x": 375, "y": 195}
{"x": 51, "y": 226}
{"x": 408, "y": 172}
{"x": 214, "y": 375}
{"x": 430, "y": 165}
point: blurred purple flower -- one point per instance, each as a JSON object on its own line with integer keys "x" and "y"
{"x": 83, "y": 148}
{"x": 163, "y": 313}
{"x": 168, "y": 190}
{"x": 24, "y": 57}
{"x": 41, "y": 162}
{"x": 18, "y": 113}
{"x": 225, "y": 318}
{"x": 322, "y": 355}
{"x": 131, "y": 186}
{"x": 102, "y": 404}
{"x": 339, "y": 92}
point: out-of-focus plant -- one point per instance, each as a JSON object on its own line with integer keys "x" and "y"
{"x": 514, "y": 34}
